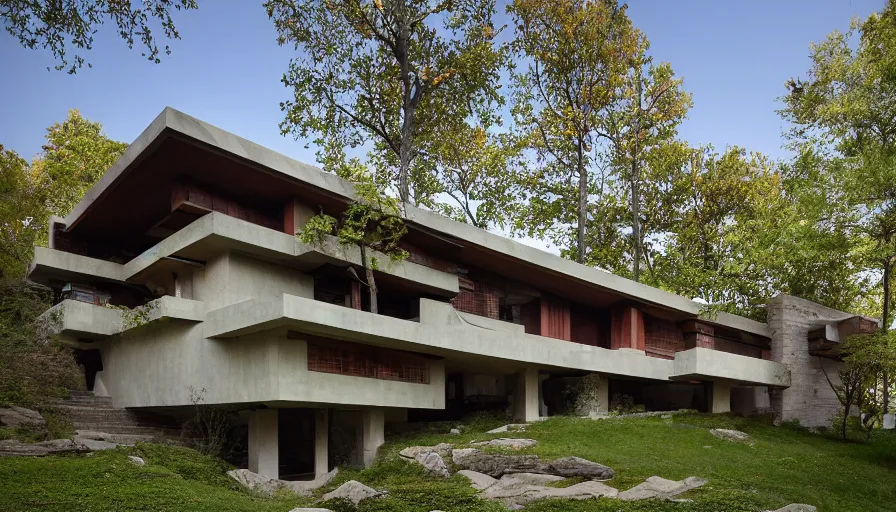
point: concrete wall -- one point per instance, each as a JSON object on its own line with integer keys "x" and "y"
{"x": 232, "y": 277}
{"x": 157, "y": 364}
{"x": 809, "y": 398}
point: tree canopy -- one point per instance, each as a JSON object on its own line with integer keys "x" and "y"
{"x": 60, "y": 26}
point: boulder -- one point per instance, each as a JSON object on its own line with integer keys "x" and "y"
{"x": 577, "y": 466}
{"x": 660, "y": 488}
{"x": 136, "y": 460}
{"x": 517, "y": 494}
{"x": 730, "y": 435}
{"x": 517, "y": 479}
{"x": 303, "y": 509}
{"x": 411, "y": 452}
{"x": 496, "y": 465}
{"x": 797, "y": 507}
{"x": 254, "y": 481}
{"x": 478, "y": 481}
{"x": 454, "y": 431}
{"x": 353, "y": 491}
{"x": 433, "y": 463}
{"x": 503, "y": 442}
{"x": 20, "y": 417}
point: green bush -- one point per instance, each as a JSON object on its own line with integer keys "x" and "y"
{"x": 188, "y": 463}
{"x": 33, "y": 370}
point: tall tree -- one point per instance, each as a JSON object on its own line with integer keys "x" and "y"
{"x": 844, "y": 109}
{"x": 57, "y": 25}
{"x": 75, "y": 156}
{"x": 475, "y": 168}
{"x": 386, "y": 72}
{"x": 653, "y": 105}
{"x": 577, "y": 53}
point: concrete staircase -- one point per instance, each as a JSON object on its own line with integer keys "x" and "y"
{"x": 96, "y": 414}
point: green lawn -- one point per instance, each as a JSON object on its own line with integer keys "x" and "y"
{"x": 783, "y": 465}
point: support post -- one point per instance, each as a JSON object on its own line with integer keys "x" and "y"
{"x": 721, "y": 397}
{"x": 525, "y": 395}
{"x": 321, "y": 442}
{"x": 374, "y": 435}
{"x": 264, "y": 443}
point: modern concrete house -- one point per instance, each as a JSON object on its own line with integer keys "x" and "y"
{"x": 194, "y": 228}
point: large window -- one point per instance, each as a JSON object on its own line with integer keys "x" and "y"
{"x": 343, "y": 358}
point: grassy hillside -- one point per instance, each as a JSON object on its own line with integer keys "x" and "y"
{"x": 783, "y": 465}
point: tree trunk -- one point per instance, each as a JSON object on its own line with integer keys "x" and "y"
{"x": 888, "y": 268}
{"x": 636, "y": 188}
{"x": 583, "y": 204}
{"x": 407, "y": 121}
{"x": 371, "y": 282}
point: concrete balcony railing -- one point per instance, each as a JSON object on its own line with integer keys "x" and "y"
{"x": 81, "y": 320}
{"x": 708, "y": 364}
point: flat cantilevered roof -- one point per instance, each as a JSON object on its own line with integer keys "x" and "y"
{"x": 174, "y": 129}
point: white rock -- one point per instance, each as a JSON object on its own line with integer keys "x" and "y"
{"x": 478, "y": 481}
{"x": 454, "y": 431}
{"x": 254, "y": 481}
{"x": 656, "y": 487}
{"x": 730, "y": 435}
{"x": 514, "y": 496}
{"x": 503, "y": 442}
{"x": 433, "y": 463}
{"x": 528, "y": 479}
{"x": 411, "y": 452}
{"x": 352, "y": 491}
{"x": 137, "y": 460}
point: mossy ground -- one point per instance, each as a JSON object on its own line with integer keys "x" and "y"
{"x": 782, "y": 465}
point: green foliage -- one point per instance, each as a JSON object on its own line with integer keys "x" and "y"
{"x": 562, "y": 100}
{"x": 58, "y": 26}
{"x": 33, "y": 370}
{"x": 387, "y": 73}
{"x": 21, "y": 213}
{"x": 74, "y": 157}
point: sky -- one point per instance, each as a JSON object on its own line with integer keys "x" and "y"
{"x": 734, "y": 56}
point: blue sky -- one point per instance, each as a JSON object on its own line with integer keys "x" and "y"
{"x": 734, "y": 56}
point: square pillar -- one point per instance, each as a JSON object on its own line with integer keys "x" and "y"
{"x": 721, "y": 397}
{"x": 373, "y": 424}
{"x": 525, "y": 395}
{"x": 264, "y": 443}
{"x": 321, "y": 442}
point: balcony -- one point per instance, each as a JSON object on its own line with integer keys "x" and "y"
{"x": 708, "y": 364}
{"x": 78, "y": 320}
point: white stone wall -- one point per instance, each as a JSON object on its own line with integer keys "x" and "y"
{"x": 809, "y": 398}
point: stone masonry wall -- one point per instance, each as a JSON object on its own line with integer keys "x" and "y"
{"x": 809, "y": 398}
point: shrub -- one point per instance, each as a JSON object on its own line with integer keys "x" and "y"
{"x": 33, "y": 369}
{"x": 209, "y": 430}
{"x": 624, "y": 404}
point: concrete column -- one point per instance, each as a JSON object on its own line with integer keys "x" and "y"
{"x": 321, "y": 442}
{"x": 721, "y": 397}
{"x": 374, "y": 433}
{"x": 263, "y": 443}
{"x": 525, "y": 395}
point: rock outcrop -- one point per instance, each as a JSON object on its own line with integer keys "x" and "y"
{"x": 511, "y": 443}
{"x": 660, "y": 488}
{"x": 353, "y": 491}
{"x": 496, "y": 465}
{"x": 16, "y": 416}
{"x": 730, "y": 435}
{"x": 796, "y": 507}
{"x": 268, "y": 486}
